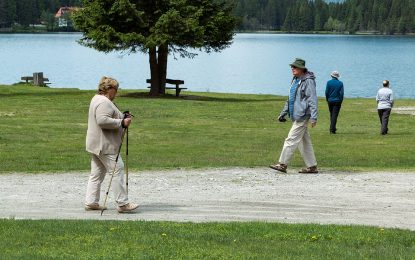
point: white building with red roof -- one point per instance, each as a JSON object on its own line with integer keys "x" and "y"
{"x": 63, "y": 15}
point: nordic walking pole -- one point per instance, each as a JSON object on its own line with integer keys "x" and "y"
{"x": 127, "y": 114}
{"x": 126, "y": 162}
{"x": 115, "y": 167}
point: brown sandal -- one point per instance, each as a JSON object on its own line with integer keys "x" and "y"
{"x": 279, "y": 167}
{"x": 309, "y": 170}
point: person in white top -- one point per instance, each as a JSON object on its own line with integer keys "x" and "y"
{"x": 384, "y": 98}
{"x": 106, "y": 124}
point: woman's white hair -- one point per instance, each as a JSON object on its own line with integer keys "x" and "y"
{"x": 105, "y": 84}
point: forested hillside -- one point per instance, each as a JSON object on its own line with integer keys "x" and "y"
{"x": 27, "y": 12}
{"x": 350, "y": 16}
{"x": 384, "y": 16}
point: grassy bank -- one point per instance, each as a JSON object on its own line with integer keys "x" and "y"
{"x": 43, "y": 129}
{"x": 141, "y": 240}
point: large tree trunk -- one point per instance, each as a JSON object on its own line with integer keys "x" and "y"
{"x": 154, "y": 90}
{"x": 158, "y": 69}
{"x": 163, "y": 53}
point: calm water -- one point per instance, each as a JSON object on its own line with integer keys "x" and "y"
{"x": 255, "y": 63}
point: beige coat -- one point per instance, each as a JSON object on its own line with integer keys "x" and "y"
{"x": 104, "y": 126}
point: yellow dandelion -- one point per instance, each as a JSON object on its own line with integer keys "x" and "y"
{"x": 314, "y": 238}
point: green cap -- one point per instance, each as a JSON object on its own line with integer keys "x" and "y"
{"x": 298, "y": 63}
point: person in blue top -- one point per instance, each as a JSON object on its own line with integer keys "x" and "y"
{"x": 334, "y": 98}
{"x": 301, "y": 107}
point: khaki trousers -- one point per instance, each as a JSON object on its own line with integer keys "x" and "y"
{"x": 100, "y": 165}
{"x": 298, "y": 137}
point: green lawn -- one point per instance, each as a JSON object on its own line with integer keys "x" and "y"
{"x": 43, "y": 129}
{"x": 56, "y": 239}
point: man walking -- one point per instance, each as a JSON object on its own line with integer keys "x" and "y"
{"x": 301, "y": 107}
{"x": 384, "y": 98}
{"x": 334, "y": 98}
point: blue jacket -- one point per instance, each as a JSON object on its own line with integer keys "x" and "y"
{"x": 334, "y": 91}
{"x": 305, "y": 102}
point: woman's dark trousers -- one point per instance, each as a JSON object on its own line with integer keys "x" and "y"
{"x": 334, "y": 108}
{"x": 384, "y": 120}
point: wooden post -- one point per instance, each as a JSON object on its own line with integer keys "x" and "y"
{"x": 177, "y": 89}
{"x": 38, "y": 79}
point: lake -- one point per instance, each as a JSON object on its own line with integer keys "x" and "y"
{"x": 255, "y": 63}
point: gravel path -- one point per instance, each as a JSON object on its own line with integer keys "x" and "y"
{"x": 235, "y": 194}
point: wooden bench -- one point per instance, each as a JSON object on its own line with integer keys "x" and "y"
{"x": 176, "y": 82}
{"x": 37, "y": 79}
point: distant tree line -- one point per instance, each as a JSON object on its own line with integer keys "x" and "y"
{"x": 379, "y": 16}
{"x": 31, "y": 12}
{"x": 382, "y": 16}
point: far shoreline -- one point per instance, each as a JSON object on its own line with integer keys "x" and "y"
{"x": 359, "y": 33}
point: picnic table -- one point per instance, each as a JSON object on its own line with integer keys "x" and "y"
{"x": 176, "y": 82}
{"x": 37, "y": 79}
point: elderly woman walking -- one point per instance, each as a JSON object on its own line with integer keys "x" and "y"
{"x": 103, "y": 140}
{"x": 301, "y": 107}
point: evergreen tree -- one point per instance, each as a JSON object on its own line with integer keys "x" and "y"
{"x": 289, "y": 21}
{"x": 157, "y": 28}
{"x": 271, "y": 13}
{"x": 7, "y": 13}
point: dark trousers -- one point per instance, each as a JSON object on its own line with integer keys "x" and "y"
{"x": 334, "y": 108}
{"x": 384, "y": 120}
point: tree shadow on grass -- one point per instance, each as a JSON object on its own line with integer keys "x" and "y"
{"x": 145, "y": 95}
